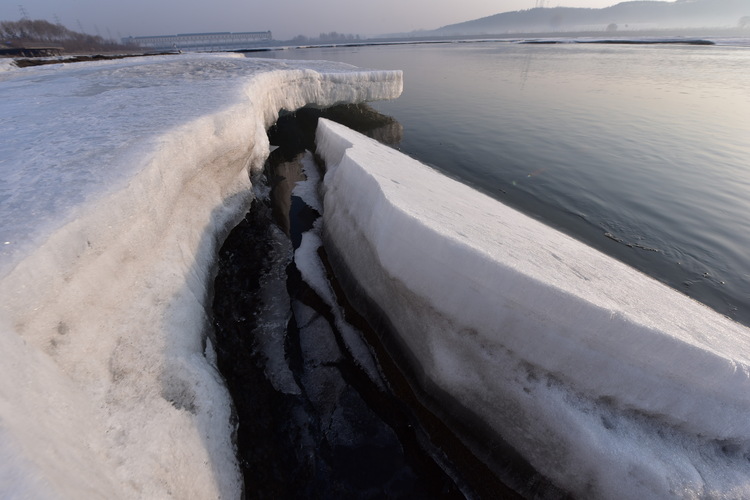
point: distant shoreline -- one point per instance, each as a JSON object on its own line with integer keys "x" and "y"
{"x": 701, "y": 36}
{"x": 687, "y": 37}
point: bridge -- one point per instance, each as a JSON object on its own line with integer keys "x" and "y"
{"x": 201, "y": 41}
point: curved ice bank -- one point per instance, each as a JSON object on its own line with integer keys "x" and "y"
{"x": 118, "y": 180}
{"x": 609, "y": 383}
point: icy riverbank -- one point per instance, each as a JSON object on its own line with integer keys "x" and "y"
{"x": 119, "y": 178}
{"x": 609, "y": 383}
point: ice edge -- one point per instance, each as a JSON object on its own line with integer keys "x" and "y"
{"x": 104, "y": 325}
{"x": 604, "y": 379}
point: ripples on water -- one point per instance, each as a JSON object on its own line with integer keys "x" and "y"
{"x": 640, "y": 151}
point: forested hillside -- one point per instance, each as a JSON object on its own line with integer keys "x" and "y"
{"x": 28, "y": 32}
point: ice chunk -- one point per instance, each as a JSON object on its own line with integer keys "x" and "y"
{"x": 7, "y": 65}
{"x": 312, "y": 271}
{"x": 308, "y": 188}
{"x": 118, "y": 179}
{"x": 604, "y": 379}
{"x": 272, "y": 319}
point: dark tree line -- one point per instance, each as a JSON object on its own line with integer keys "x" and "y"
{"x": 27, "y": 32}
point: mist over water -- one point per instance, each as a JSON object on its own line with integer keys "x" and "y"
{"x": 640, "y": 151}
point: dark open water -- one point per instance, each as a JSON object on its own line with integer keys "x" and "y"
{"x": 642, "y": 151}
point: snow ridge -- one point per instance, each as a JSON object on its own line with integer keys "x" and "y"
{"x": 611, "y": 384}
{"x": 119, "y": 180}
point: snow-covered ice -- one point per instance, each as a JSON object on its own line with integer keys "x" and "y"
{"x": 118, "y": 180}
{"x": 609, "y": 383}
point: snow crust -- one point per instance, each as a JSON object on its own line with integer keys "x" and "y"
{"x": 608, "y": 382}
{"x": 7, "y": 64}
{"x": 118, "y": 179}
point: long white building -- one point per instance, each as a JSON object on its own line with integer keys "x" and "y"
{"x": 200, "y": 41}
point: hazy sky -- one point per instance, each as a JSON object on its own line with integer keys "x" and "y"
{"x": 285, "y": 18}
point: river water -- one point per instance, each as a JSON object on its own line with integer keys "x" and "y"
{"x": 641, "y": 151}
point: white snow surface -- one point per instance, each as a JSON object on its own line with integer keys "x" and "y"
{"x": 608, "y": 382}
{"x": 118, "y": 180}
{"x": 307, "y": 189}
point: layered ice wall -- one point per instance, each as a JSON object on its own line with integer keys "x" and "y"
{"x": 609, "y": 383}
{"x": 118, "y": 180}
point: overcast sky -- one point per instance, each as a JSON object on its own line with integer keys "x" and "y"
{"x": 285, "y": 18}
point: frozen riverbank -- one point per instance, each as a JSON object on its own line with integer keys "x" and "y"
{"x": 119, "y": 179}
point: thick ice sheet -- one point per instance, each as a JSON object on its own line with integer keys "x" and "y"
{"x": 117, "y": 181}
{"x": 608, "y": 382}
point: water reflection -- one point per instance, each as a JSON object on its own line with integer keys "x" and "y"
{"x": 645, "y": 143}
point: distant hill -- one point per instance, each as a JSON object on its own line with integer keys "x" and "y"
{"x": 636, "y": 15}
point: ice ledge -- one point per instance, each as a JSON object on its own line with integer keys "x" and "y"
{"x": 119, "y": 180}
{"x": 582, "y": 363}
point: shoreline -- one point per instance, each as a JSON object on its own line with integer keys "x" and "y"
{"x": 701, "y": 36}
